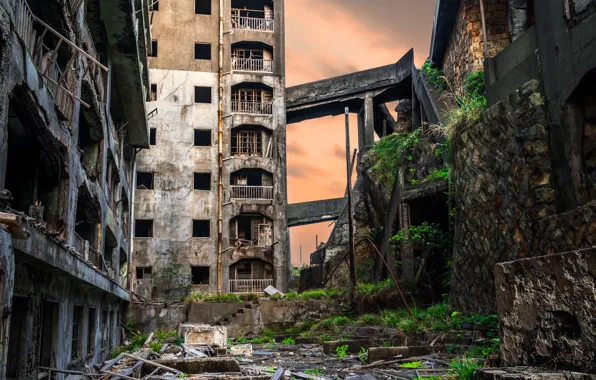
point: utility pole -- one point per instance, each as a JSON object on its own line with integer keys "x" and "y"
{"x": 300, "y": 256}
{"x": 316, "y": 242}
{"x": 350, "y": 213}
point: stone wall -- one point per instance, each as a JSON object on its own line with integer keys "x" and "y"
{"x": 506, "y": 200}
{"x": 546, "y": 310}
{"x": 503, "y": 186}
{"x": 465, "y": 52}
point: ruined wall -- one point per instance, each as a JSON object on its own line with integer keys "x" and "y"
{"x": 546, "y": 309}
{"x": 465, "y": 52}
{"x": 505, "y": 198}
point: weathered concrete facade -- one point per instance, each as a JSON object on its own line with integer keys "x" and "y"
{"x": 67, "y": 148}
{"x": 180, "y": 202}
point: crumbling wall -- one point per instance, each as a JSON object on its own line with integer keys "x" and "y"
{"x": 6, "y": 288}
{"x": 546, "y": 310}
{"x": 465, "y": 52}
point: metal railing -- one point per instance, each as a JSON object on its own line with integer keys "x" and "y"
{"x": 95, "y": 257}
{"x": 251, "y": 192}
{"x": 254, "y": 108}
{"x": 79, "y": 245}
{"x": 43, "y": 58}
{"x": 251, "y": 64}
{"x": 249, "y": 286}
{"x": 252, "y": 23}
{"x": 94, "y": 71}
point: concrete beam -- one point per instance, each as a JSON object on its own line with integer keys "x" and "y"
{"x": 445, "y": 18}
{"x": 428, "y": 99}
{"x": 329, "y": 97}
{"x": 40, "y": 249}
{"x": 300, "y": 214}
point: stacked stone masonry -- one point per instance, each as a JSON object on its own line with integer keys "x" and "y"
{"x": 465, "y": 52}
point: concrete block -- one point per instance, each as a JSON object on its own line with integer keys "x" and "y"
{"x": 202, "y": 365}
{"x": 196, "y": 334}
{"x": 241, "y": 349}
{"x": 379, "y": 353}
{"x": 529, "y": 373}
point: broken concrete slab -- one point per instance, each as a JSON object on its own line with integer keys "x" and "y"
{"x": 546, "y": 307}
{"x": 216, "y": 336}
{"x": 379, "y": 353}
{"x": 528, "y": 373}
{"x": 241, "y": 349}
{"x": 202, "y": 365}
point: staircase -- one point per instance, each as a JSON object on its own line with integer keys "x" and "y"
{"x": 239, "y": 323}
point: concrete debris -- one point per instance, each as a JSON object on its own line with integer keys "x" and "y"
{"x": 241, "y": 349}
{"x": 215, "y": 336}
{"x": 271, "y": 290}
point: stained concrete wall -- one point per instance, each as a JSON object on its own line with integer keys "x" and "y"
{"x": 173, "y": 204}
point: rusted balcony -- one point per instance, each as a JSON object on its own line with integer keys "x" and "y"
{"x": 252, "y": 23}
{"x": 251, "y": 192}
{"x": 253, "y": 65}
{"x": 253, "y": 108}
{"x": 249, "y": 286}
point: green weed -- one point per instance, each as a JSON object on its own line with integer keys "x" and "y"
{"x": 341, "y": 351}
{"x": 411, "y": 365}
{"x": 288, "y": 341}
{"x": 363, "y": 354}
{"x": 325, "y": 338}
{"x": 463, "y": 368}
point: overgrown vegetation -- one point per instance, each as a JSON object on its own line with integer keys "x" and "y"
{"x": 463, "y": 368}
{"x": 224, "y": 297}
{"x": 442, "y": 173}
{"x": 342, "y": 351}
{"x": 434, "y": 76}
{"x": 411, "y": 365}
{"x": 138, "y": 341}
{"x": 390, "y": 152}
{"x": 288, "y": 341}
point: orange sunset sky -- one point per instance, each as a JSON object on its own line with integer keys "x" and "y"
{"x": 325, "y": 38}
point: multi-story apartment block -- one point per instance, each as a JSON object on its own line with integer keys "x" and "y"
{"x": 211, "y": 197}
{"x": 72, "y": 116}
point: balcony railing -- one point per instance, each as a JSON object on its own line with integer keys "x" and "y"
{"x": 94, "y": 71}
{"x": 252, "y": 23}
{"x": 95, "y": 258}
{"x": 79, "y": 245}
{"x": 249, "y": 286}
{"x": 44, "y": 59}
{"x": 254, "y": 108}
{"x": 251, "y": 64}
{"x": 251, "y": 192}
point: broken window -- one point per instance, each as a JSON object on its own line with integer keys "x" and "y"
{"x": 202, "y": 181}
{"x": 143, "y": 273}
{"x": 203, "y": 51}
{"x": 145, "y": 180}
{"x": 202, "y": 94}
{"x": 49, "y": 329}
{"x": 153, "y": 136}
{"x": 203, "y": 7}
{"x": 246, "y": 143}
{"x": 153, "y": 96}
{"x": 92, "y": 328}
{"x": 251, "y": 230}
{"x": 153, "y": 49}
{"x": 143, "y": 228}
{"x": 202, "y": 137}
{"x": 201, "y": 228}
{"x": 154, "y": 5}
{"x": 77, "y": 326}
{"x": 200, "y": 275}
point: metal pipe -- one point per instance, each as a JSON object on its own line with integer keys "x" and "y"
{"x": 350, "y": 213}
{"x": 484, "y": 28}
{"x": 220, "y": 189}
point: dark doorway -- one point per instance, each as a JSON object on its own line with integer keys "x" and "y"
{"x": 16, "y": 339}
{"x": 49, "y": 330}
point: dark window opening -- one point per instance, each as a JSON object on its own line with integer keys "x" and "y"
{"x": 77, "y": 325}
{"x": 153, "y": 96}
{"x": 18, "y": 334}
{"x": 143, "y": 228}
{"x": 105, "y": 329}
{"x": 202, "y": 94}
{"x": 202, "y": 181}
{"x": 155, "y": 5}
{"x": 202, "y": 51}
{"x": 145, "y": 181}
{"x": 143, "y": 273}
{"x": 202, "y": 137}
{"x": 152, "y": 136}
{"x": 92, "y": 328}
{"x": 49, "y": 337}
{"x": 200, "y": 275}
{"x": 201, "y": 228}
{"x": 203, "y": 7}
{"x": 153, "y": 48}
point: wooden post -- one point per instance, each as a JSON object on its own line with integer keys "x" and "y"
{"x": 350, "y": 213}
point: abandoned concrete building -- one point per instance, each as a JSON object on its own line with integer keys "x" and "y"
{"x": 72, "y": 96}
{"x": 211, "y": 192}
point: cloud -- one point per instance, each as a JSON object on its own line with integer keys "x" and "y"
{"x": 338, "y": 151}
{"x": 296, "y": 149}
{"x": 304, "y": 170}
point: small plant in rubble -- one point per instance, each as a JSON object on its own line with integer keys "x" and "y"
{"x": 342, "y": 351}
{"x": 363, "y": 354}
{"x": 289, "y": 340}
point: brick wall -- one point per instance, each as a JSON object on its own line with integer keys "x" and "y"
{"x": 465, "y": 53}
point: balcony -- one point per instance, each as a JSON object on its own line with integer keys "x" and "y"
{"x": 252, "y": 23}
{"x": 251, "y": 192}
{"x": 85, "y": 249}
{"x": 249, "y": 286}
{"x": 252, "y": 108}
{"x": 252, "y": 65}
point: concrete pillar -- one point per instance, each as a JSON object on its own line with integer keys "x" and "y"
{"x": 416, "y": 112}
{"x": 366, "y": 125}
{"x": 518, "y": 18}
{"x": 3, "y": 141}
